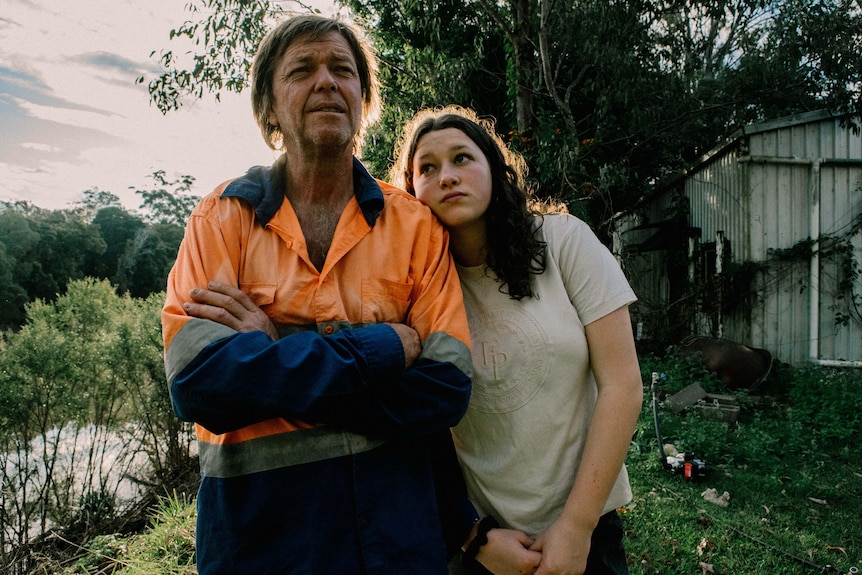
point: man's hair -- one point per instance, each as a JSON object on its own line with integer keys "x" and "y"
{"x": 310, "y": 27}
{"x": 514, "y": 251}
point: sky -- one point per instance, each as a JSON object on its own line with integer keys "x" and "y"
{"x": 73, "y": 119}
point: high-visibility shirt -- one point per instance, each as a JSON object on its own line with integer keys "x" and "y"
{"x": 316, "y": 450}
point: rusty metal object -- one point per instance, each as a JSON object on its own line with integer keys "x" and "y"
{"x": 738, "y": 366}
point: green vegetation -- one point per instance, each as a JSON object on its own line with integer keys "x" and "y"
{"x": 166, "y": 548}
{"x": 789, "y": 465}
{"x": 41, "y": 251}
{"x": 604, "y": 99}
{"x": 88, "y": 439}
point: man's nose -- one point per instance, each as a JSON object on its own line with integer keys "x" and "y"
{"x": 325, "y": 80}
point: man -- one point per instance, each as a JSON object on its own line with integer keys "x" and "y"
{"x": 316, "y": 424}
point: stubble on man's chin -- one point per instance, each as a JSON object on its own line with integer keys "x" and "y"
{"x": 323, "y": 142}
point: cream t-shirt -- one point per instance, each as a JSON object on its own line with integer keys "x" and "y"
{"x": 522, "y": 438}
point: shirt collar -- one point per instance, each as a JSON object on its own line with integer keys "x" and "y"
{"x": 257, "y": 188}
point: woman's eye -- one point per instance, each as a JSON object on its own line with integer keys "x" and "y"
{"x": 462, "y": 159}
{"x": 425, "y": 168}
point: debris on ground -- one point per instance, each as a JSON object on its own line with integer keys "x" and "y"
{"x": 711, "y": 495}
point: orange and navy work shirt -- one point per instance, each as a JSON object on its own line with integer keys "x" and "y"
{"x": 315, "y": 450}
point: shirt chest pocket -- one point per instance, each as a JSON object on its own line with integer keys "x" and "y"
{"x": 262, "y": 294}
{"x": 385, "y": 300}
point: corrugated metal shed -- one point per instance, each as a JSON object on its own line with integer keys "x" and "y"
{"x": 768, "y": 251}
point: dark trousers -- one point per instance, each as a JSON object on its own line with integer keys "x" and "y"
{"x": 607, "y": 554}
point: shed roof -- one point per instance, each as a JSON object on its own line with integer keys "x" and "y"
{"x": 760, "y": 127}
{"x": 755, "y": 128}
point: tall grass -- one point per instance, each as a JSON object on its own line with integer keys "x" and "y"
{"x": 166, "y": 547}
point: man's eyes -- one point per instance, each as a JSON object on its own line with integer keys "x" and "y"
{"x": 341, "y": 70}
{"x": 345, "y": 70}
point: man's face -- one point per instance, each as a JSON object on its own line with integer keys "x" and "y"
{"x": 317, "y": 94}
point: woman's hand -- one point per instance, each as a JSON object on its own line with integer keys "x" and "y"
{"x": 229, "y": 306}
{"x": 507, "y": 552}
{"x": 564, "y": 547}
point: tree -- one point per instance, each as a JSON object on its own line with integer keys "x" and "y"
{"x": 44, "y": 250}
{"x": 84, "y": 410}
{"x": 116, "y": 227}
{"x": 147, "y": 259}
{"x": 41, "y": 251}
{"x": 139, "y": 366}
{"x": 169, "y": 202}
{"x": 54, "y": 372}
{"x": 65, "y": 246}
{"x": 606, "y": 98}
{"x": 12, "y": 295}
{"x": 229, "y": 32}
{"x": 433, "y": 52}
{"x": 16, "y": 233}
{"x": 92, "y": 201}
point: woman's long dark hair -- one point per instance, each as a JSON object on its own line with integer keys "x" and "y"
{"x": 514, "y": 251}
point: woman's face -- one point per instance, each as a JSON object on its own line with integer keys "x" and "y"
{"x": 451, "y": 176}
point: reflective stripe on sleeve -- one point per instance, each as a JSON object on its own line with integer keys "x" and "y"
{"x": 192, "y": 338}
{"x": 281, "y": 450}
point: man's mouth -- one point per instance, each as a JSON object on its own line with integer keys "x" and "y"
{"x": 329, "y": 108}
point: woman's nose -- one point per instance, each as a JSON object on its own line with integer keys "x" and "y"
{"x": 448, "y": 177}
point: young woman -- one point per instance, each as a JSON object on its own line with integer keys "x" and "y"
{"x": 557, "y": 388}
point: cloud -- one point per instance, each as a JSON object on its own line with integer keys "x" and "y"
{"x": 76, "y": 116}
{"x": 73, "y": 117}
{"x": 40, "y": 127}
{"x": 22, "y": 78}
{"x": 39, "y": 147}
{"x": 23, "y": 83}
{"x": 112, "y": 62}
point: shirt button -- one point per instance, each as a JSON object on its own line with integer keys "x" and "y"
{"x": 328, "y": 329}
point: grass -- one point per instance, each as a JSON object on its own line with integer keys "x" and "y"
{"x": 165, "y": 548}
{"x": 791, "y": 465}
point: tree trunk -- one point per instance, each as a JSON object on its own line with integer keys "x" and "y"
{"x": 520, "y": 34}
{"x": 525, "y": 65}
{"x": 544, "y": 51}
